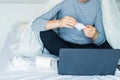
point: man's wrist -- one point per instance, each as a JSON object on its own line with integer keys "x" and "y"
{"x": 57, "y": 24}
{"x": 95, "y": 36}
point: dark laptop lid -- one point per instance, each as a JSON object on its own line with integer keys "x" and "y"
{"x": 88, "y": 61}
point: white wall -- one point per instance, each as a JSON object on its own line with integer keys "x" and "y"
{"x": 23, "y": 1}
{"x": 13, "y": 13}
{"x": 118, "y": 0}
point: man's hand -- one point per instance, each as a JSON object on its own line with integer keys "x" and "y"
{"x": 90, "y": 32}
{"x": 84, "y": 0}
{"x": 68, "y": 22}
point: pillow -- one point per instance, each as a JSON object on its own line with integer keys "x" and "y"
{"x": 27, "y": 41}
{"x": 111, "y": 18}
{"x": 30, "y": 43}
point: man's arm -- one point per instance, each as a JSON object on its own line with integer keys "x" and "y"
{"x": 67, "y": 21}
{"x": 39, "y": 24}
{"x": 100, "y": 28}
{"x": 91, "y": 32}
{"x": 46, "y": 22}
{"x": 96, "y": 33}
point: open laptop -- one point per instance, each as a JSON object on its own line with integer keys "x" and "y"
{"x": 88, "y": 61}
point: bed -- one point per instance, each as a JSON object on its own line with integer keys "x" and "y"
{"x": 32, "y": 72}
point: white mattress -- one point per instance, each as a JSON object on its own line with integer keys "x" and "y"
{"x": 36, "y": 73}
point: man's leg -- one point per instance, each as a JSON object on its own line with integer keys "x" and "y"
{"x": 105, "y": 45}
{"x": 52, "y": 41}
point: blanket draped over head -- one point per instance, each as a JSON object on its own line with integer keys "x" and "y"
{"x": 30, "y": 43}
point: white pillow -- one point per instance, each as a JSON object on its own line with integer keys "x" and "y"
{"x": 27, "y": 42}
{"x": 30, "y": 43}
{"x": 111, "y": 18}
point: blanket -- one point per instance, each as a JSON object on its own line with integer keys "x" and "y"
{"x": 30, "y": 44}
{"x": 111, "y": 18}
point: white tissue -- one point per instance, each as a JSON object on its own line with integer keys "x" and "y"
{"x": 26, "y": 63}
{"x": 19, "y": 63}
{"x": 79, "y": 26}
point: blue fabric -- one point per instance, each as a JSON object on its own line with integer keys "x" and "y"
{"x": 88, "y": 13}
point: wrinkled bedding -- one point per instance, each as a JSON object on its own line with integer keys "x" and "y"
{"x": 28, "y": 71}
{"x": 50, "y": 75}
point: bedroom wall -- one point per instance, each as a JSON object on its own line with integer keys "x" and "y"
{"x": 11, "y": 13}
{"x": 23, "y": 1}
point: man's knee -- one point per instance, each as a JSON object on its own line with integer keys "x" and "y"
{"x": 46, "y": 35}
{"x": 105, "y": 45}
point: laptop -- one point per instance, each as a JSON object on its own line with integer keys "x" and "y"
{"x": 88, "y": 61}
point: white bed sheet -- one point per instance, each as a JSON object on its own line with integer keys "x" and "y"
{"x": 7, "y": 53}
{"x": 50, "y": 75}
{"x": 36, "y": 73}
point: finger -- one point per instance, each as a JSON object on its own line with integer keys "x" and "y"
{"x": 88, "y": 33}
{"x": 68, "y": 26}
{"x": 89, "y": 28}
{"x": 85, "y": 31}
{"x": 71, "y": 23}
{"x": 70, "y": 18}
{"x": 87, "y": 25}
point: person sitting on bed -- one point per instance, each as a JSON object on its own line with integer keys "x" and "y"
{"x": 64, "y": 17}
